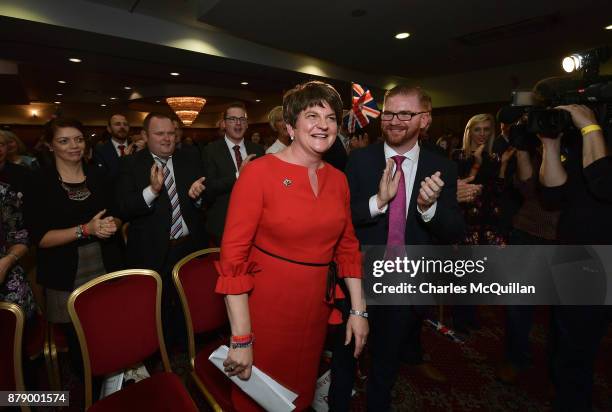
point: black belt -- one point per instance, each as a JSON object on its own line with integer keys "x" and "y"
{"x": 332, "y": 273}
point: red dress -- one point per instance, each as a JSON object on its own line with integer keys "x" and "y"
{"x": 273, "y": 206}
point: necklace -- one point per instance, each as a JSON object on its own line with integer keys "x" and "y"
{"x": 76, "y": 191}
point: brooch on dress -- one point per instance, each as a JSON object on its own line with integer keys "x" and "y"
{"x": 287, "y": 182}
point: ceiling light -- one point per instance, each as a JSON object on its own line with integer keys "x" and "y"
{"x": 245, "y": 83}
{"x": 62, "y": 81}
{"x": 127, "y": 87}
{"x": 157, "y": 101}
{"x": 175, "y": 74}
{"x": 113, "y": 98}
{"x": 401, "y": 36}
{"x": 103, "y": 105}
{"x": 186, "y": 108}
{"x": 75, "y": 60}
{"x": 257, "y": 100}
{"x": 59, "y": 94}
{"x": 57, "y": 102}
{"x": 609, "y": 27}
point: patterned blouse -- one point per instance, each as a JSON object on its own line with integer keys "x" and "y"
{"x": 15, "y": 287}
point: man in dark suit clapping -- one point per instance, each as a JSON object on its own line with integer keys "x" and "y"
{"x": 400, "y": 195}
{"x": 159, "y": 190}
{"x": 224, "y": 160}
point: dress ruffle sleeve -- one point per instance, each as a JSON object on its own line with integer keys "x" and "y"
{"x": 235, "y": 269}
{"x": 235, "y": 279}
{"x": 348, "y": 256}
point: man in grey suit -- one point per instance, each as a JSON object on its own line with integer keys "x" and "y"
{"x": 224, "y": 159}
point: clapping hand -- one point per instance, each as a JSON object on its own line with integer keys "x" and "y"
{"x": 478, "y": 154}
{"x": 429, "y": 192}
{"x": 102, "y": 228}
{"x": 245, "y": 162}
{"x": 197, "y": 188}
{"x": 387, "y": 188}
{"x": 467, "y": 191}
{"x": 156, "y": 179}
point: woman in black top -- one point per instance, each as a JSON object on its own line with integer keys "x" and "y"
{"x": 71, "y": 219}
{"x": 477, "y": 161}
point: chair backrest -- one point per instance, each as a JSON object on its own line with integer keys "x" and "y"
{"x": 195, "y": 278}
{"x": 11, "y": 334}
{"x": 117, "y": 318}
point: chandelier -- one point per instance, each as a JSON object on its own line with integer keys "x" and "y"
{"x": 186, "y": 108}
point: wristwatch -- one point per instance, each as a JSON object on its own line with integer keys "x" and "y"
{"x": 79, "y": 232}
{"x": 363, "y": 314}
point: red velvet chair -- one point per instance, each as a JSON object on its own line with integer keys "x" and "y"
{"x": 117, "y": 318}
{"x": 195, "y": 277}
{"x": 11, "y": 334}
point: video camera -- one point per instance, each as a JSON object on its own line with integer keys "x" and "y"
{"x": 532, "y": 112}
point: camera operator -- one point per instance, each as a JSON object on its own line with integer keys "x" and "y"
{"x": 595, "y": 158}
{"x": 585, "y": 219}
{"x": 531, "y": 225}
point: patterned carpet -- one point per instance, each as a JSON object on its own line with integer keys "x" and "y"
{"x": 469, "y": 367}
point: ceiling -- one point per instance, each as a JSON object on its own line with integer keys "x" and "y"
{"x": 446, "y": 36}
{"x": 109, "y": 64}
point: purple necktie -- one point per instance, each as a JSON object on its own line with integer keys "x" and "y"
{"x": 397, "y": 209}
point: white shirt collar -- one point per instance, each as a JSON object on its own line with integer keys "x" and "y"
{"x": 116, "y": 144}
{"x": 156, "y": 158}
{"x": 231, "y": 144}
{"x": 412, "y": 154}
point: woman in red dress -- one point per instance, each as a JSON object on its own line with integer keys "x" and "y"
{"x": 289, "y": 216}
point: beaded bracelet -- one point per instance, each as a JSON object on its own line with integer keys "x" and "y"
{"x": 85, "y": 230}
{"x": 235, "y": 345}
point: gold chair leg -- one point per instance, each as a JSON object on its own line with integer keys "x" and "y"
{"x": 48, "y": 360}
{"x": 55, "y": 369}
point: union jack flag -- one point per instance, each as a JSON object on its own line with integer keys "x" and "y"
{"x": 363, "y": 106}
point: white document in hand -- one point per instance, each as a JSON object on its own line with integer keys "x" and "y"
{"x": 269, "y": 394}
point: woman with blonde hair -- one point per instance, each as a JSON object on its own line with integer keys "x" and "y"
{"x": 478, "y": 136}
{"x": 277, "y": 123}
{"x": 478, "y": 164}
{"x": 17, "y": 151}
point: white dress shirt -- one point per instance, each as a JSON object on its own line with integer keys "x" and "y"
{"x": 276, "y": 147}
{"x": 149, "y": 196}
{"x": 243, "y": 152}
{"x": 409, "y": 168}
{"x": 116, "y": 145}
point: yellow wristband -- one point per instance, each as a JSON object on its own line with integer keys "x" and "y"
{"x": 588, "y": 129}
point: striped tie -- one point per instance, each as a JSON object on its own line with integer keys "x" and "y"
{"x": 176, "y": 227}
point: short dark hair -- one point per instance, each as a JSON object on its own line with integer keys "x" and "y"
{"x": 147, "y": 120}
{"x": 59, "y": 122}
{"x": 312, "y": 93}
{"x": 113, "y": 115}
{"x": 233, "y": 105}
{"x": 405, "y": 90}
